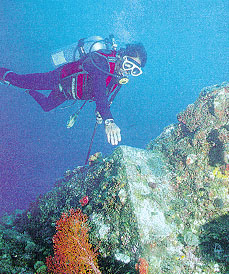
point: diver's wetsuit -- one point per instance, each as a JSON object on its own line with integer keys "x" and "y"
{"x": 95, "y": 88}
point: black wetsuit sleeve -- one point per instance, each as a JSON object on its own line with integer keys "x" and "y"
{"x": 99, "y": 77}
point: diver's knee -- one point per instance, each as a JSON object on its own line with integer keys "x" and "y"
{"x": 46, "y": 108}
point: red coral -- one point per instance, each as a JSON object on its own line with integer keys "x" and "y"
{"x": 72, "y": 251}
{"x": 142, "y": 266}
{"x": 84, "y": 201}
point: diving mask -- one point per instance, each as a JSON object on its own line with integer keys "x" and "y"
{"x": 131, "y": 66}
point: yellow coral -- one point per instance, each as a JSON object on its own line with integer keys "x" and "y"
{"x": 218, "y": 174}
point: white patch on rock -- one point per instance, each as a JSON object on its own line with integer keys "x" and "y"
{"x": 122, "y": 257}
{"x": 122, "y": 195}
{"x": 102, "y": 228}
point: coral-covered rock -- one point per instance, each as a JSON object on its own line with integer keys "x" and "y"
{"x": 157, "y": 210}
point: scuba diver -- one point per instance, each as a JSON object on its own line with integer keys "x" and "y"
{"x": 96, "y": 76}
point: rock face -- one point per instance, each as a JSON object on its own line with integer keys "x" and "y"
{"x": 198, "y": 155}
{"x": 166, "y": 205}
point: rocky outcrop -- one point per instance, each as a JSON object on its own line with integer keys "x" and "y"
{"x": 165, "y": 205}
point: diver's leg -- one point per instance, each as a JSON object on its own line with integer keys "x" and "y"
{"x": 39, "y": 81}
{"x": 54, "y": 99}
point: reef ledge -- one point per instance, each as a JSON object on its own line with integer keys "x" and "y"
{"x": 163, "y": 209}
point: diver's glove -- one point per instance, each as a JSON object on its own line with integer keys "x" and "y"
{"x": 112, "y": 131}
{"x": 99, "y": 118}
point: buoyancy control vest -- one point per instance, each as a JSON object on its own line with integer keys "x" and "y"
{"x": 74, "y": 80}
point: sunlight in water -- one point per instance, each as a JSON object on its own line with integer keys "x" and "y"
{"x": 126, "y": 20}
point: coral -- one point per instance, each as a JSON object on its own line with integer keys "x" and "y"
{"x": 142, "y": 266}
{"x": 218, "y": 174}
{"x": 42, "y": 270}
{"x": 84, "y": 201}
{"x": 72, "y": 251}
{"x": 167, "y": 204}
{"x": 95, "y": 158}
{"x": 40, "y": 267}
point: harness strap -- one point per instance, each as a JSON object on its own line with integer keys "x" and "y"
{"x": 78, "y": 80}
{"x": 109, "y": 59}
{"x": 74, "y": 84}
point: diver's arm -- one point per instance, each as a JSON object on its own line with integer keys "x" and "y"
{"x": 99, "y": 83}
{"x": 102, "y": 105}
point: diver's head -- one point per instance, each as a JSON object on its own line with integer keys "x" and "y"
{"x": 136, "y": 51}
{"x": 133, "y": 57}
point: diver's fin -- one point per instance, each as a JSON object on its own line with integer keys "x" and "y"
{"x": 3, "y": 74}
{"x": 74, "y": 116}
{"x": 72, "y": 120}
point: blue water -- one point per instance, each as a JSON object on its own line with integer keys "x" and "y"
{"x": 186, "y": 43}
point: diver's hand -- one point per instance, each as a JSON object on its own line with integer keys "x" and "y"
{"x": 112, "y": 131}
{"x": 99, "y": 118}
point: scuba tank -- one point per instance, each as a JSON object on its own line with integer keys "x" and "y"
{"x": 74, "y": 51}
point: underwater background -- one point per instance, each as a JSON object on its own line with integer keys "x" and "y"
{"x": 186, "y": 42}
